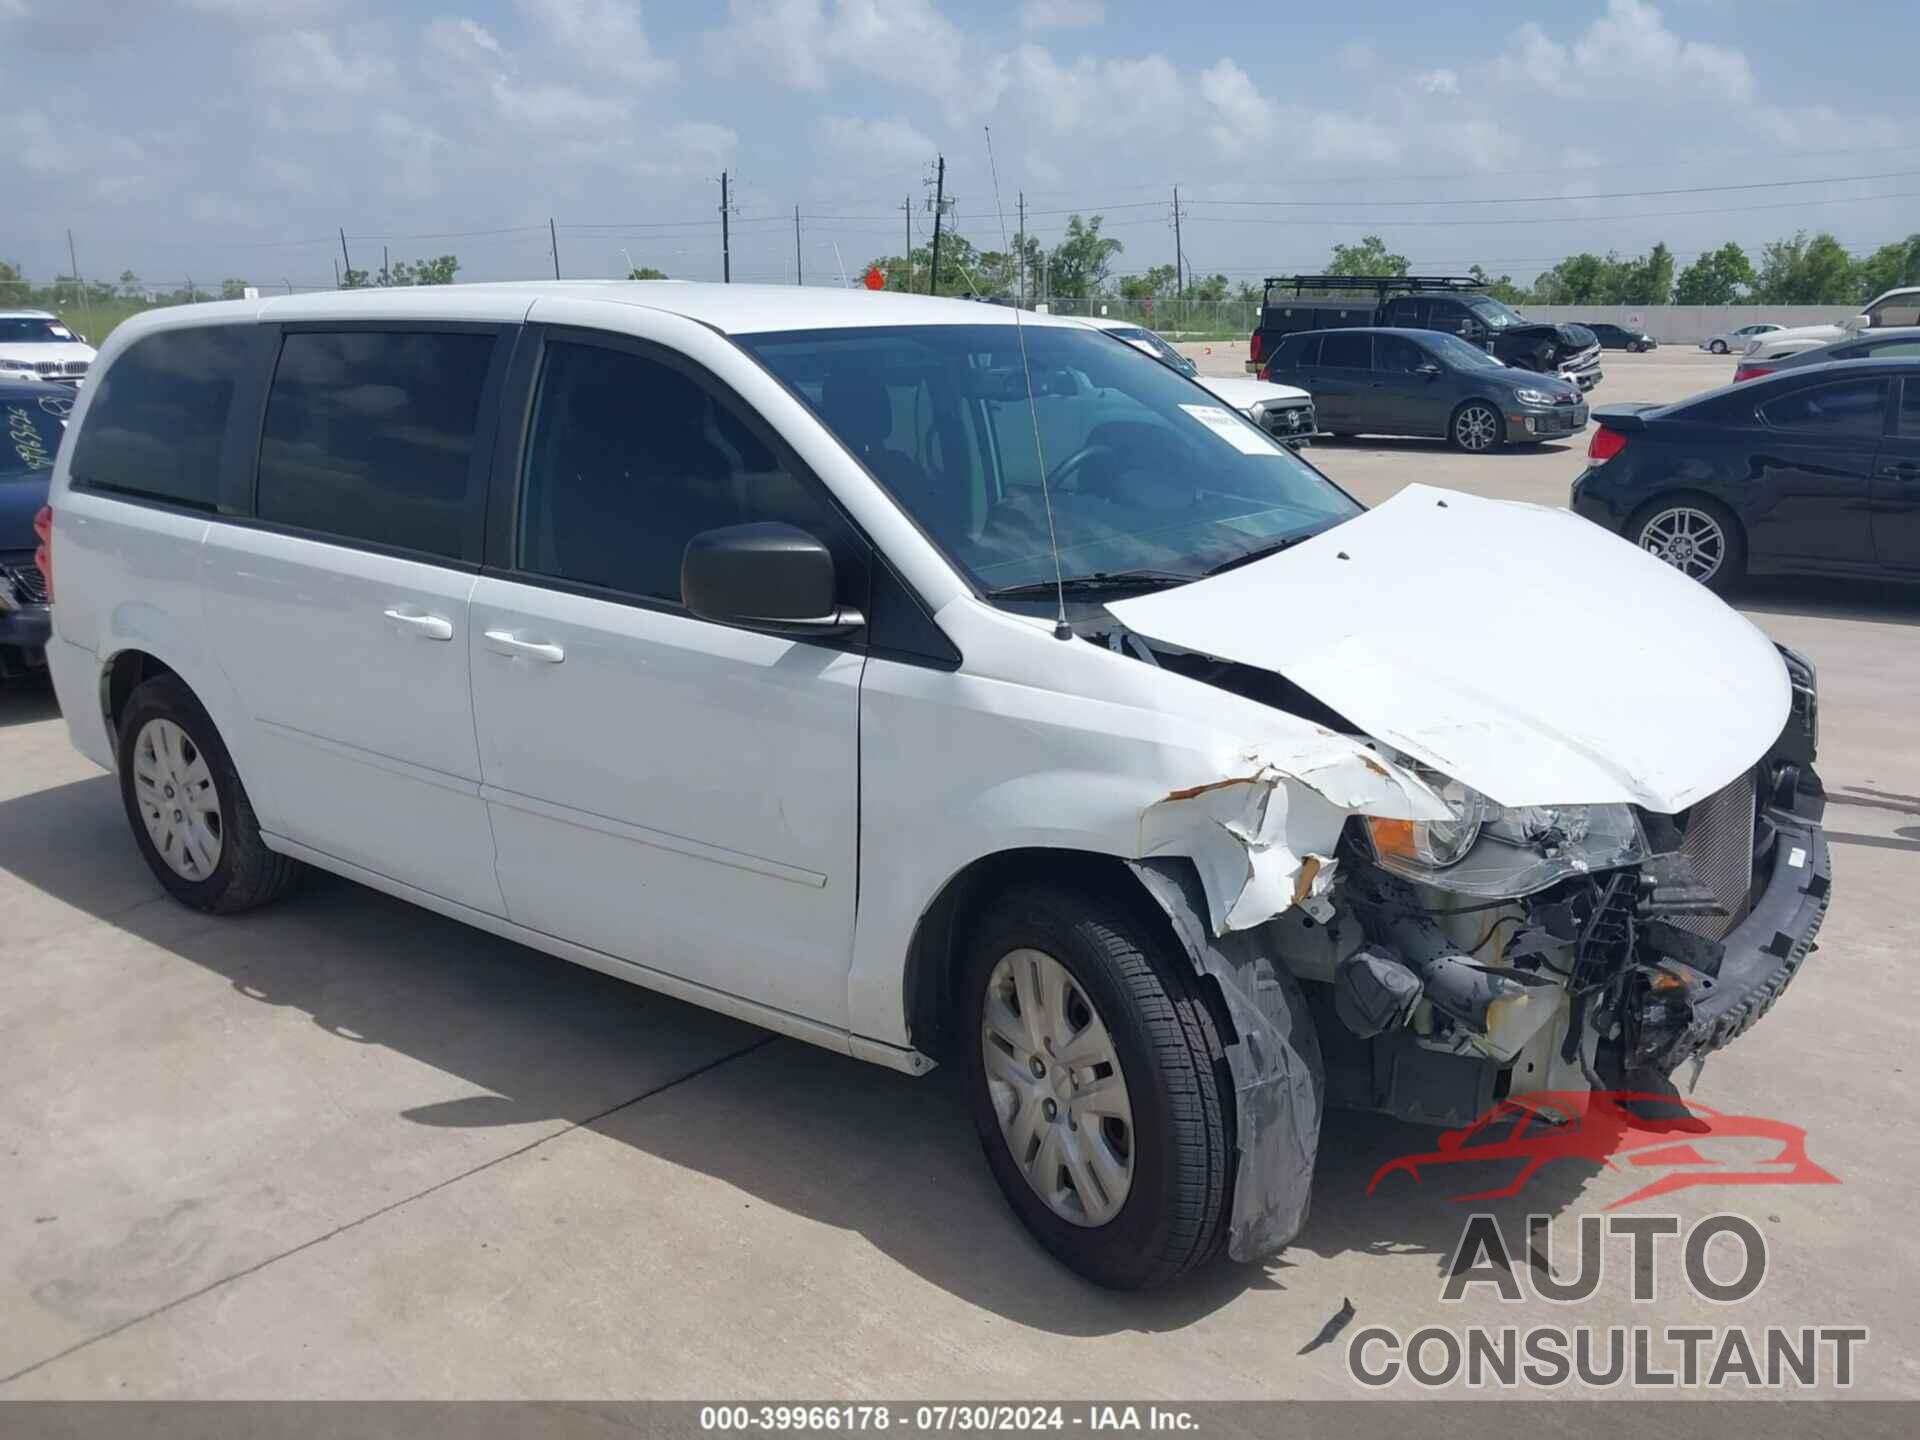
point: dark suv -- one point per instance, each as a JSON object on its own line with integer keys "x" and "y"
{"x": 1419, "y": 382}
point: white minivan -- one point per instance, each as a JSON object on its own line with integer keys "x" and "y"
{"x": 934, "y": 687}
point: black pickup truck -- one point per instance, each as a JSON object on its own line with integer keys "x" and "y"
{"x": 1455, "y": 304}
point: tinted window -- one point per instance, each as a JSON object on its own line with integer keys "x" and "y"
{"x": 1297, "y": 350}
{"x": 159, "y": 413}
{"x": 1894, "y": 350}
{"x": 1346, "y": 352}
{"x": 32, "y": 330}
{"x": 1398, "y": 354}
{"x": 1855, "y": 407}
{"x": 1411, "y": 314}
{"x": 30, "y": 427}
{"x": 630, "y": 458}
{"x": 1910, "y": 406}
{"x": 1897, "y": 310}
{"x": 370, "y": 436}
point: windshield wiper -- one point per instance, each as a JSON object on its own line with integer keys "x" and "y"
{"x": 1099, "y": 582}
{"x": 1262, "y": 553}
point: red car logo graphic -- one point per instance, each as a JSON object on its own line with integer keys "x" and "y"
{"x": 1699, "y": 1147}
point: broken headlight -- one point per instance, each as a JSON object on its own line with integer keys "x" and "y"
{"x": 1497, "y": 852}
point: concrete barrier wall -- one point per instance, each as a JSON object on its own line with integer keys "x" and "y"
{"x": 1690, "y": 324}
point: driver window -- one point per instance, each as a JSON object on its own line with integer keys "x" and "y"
{"x": 1895, "y": 310}
{"x": 1397, "y": 354}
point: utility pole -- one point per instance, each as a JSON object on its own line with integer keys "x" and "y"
{"x": 553, "y": 236}
{"x": 726, "y": 243}
{"x": 386, "y": 267}
{"x": 799, "y": 276}
{"x": 1179, "y": 260}
{"x": 1021, "y": 254}
{"x": 345, "y": 258}
{"x": 906, "y": 207}
{"x": 939, "y": 206}
{"x": 79, "y": 290}
{"x": 336, "y": 274}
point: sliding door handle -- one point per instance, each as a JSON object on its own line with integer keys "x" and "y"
{"x": 505, "y": 642}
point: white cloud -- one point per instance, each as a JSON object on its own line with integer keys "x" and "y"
{"x": 906, "y": 42}
{"x": 876, "y": 146}
{"x": 1627, "y": 53}
{"x": 603, "y": 37}
{"x": 1242, "y": 113}
{"x": 1437, "y": 82}
{"x": 308, "y": 62}
{"x": 1062, "y": 14}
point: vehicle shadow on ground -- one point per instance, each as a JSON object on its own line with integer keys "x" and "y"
{"x": 1817, "y": 597}
{"x": 26, "y": 700}
{"x": 833, "y": 1140}
{"x": 1430, "y": 445}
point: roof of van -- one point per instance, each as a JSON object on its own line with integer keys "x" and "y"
{"x": 732, "y": 309}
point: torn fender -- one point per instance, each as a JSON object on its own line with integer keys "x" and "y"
{"x": 1278, "y": 1080}
{"x": 1262, "y": 835}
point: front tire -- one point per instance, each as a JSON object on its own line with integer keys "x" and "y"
{"x": 1718, "y": 347}
{"x": 1698, "y": 537}
{"x": 1477, "y": 428}
{"x": 1098, "y": 1087}
{"x": 190, "y": 814}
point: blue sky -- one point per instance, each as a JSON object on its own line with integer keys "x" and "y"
{"x": 209, "y": 138}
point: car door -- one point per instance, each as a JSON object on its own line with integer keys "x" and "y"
{"x": 1342, "y": 385}
{"x": 1418, "y": 401}
{"x": 1810, "y": 473}
{"x": 338, "y": 609}
{"x": 673, "y": 792}
{"x": 1896, "y": 485}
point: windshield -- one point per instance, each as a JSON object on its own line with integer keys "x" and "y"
{"x": 29, "y": 330}
{"x": 32, "y": 429}
{"x": 1494, "y": 315}
{"x": 1158, "y": 348}
{"x": 1147, "y": 471}
{"x": 1458, "y": 352}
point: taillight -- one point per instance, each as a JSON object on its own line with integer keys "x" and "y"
{"x": 1751, "y": 372}
{"x": 43, "y": 552}
{"x": 1605, "y": 444}
{"x": 1255, "y": 348}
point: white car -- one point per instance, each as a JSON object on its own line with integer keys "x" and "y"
{"x": 793, "y": 653}
{"x": 38, "y": 342}
{"x": 1283, "y": 411}
{"x": 1729, "y": 340}
{"x": 1896, "y": 307}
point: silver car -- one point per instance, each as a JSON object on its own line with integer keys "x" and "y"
{"x": 1728, "y": 340}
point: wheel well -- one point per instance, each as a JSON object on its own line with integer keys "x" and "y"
{"x": 125, "y": 674}
{"x": 945, "y": 926}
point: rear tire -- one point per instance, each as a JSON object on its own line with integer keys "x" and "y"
{"x": 1699, "y": 537}
{"x": 190, "y": 814}
{"x": 1718, "y": 347}
{"x": 1160, "y": 1182}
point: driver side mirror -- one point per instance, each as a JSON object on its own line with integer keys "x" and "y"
{"x": 1428, "y": 369}
{"x": 1857, "y": 322}
{"x": 768, "y": 576}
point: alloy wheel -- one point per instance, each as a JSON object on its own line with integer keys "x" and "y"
{"x": 1054, "y": 1079}
{"x": 1477, "y": 428}
{"x": 177, "y": 799}
{"x": 1690, "y": 540}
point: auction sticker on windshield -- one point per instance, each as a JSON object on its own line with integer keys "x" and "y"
{"x": 1242, "y": 437}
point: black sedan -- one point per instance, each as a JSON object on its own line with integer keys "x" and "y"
{"x": 1811, "y": 471}
{"x": 1422, "y": 382}
{"x": 33, "y": 416}
{"x": 1618, "y": 337}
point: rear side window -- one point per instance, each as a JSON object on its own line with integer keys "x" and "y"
{"x": 370, "y": 435}
{"x": 1910, "y": 406}
{"x": 157, "y": 420}
{"x": 1297, "y": 350}
{"x": 1346, "y": 352}
{"x": 1854, "y": 407}
{"x": 629, "y": 458}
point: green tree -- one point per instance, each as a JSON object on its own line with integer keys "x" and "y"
{"x": 1577, "y": 280}
{"x": 1647, "y": 280}
{"x": 438, "y": 271}
{"x": 1500, "y": 287}
{"x": 646, "y": 272}
{"x": 355, "y": 279}
{"x": 1890, "y": 266}
{"x": 1718, "y": 277}
{"x": 231, "y": 289}
{"x": 1155, "y": 284}
{"x": 1369, "y": 257}
{"x": 1806, "y": 272}
{"x": 1078, "y": 265}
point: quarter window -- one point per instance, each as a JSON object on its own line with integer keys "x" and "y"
{"x": 1856, "y": 407}
{"x": 629, "y": 458}
{"x": 370, "y": 436}
{"x": 156, "y": 423}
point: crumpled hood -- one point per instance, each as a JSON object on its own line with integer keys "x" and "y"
{"x": 1245, "y": 393}
{"x": 1518, "y": 648}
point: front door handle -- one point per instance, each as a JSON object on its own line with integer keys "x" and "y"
{"x": 418, "y": 622}
{"x": 1901, "y": 470}
{"x": 505, "y": 642}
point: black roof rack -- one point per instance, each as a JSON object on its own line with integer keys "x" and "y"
{"x": 1380, "y": 284}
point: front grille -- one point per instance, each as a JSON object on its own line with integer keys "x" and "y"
{"x": 1719, "y": 842}
{"x": 76, "y": 367}
{"x": 28, "y": 584}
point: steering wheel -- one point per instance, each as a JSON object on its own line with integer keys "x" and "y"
{"x": 1070, "y": 468}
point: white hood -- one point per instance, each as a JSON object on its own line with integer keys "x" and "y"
{"x": 1799, "y": 337}
{"x": 1243, "y": 394}
{"x": 28, "y": 355}
{"x": 1518, "y": 648}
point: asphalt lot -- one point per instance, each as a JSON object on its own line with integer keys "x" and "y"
{"x": 345, "y": 1148}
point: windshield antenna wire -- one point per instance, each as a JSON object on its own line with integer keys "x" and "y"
{"x": 1061, "y": 629}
